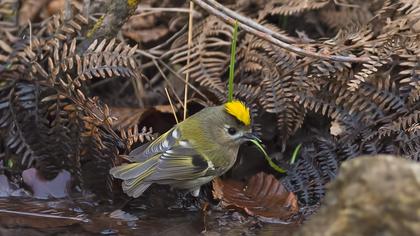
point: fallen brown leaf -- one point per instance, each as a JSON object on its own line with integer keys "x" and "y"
{"x": 145, "y": 27}
{"x": 141, "y": 22}
{"x": 263, "y": 196}
{"x": 146, "y": 35}
{"x": 56, "y": 6}
{"x": 30, "y": 9}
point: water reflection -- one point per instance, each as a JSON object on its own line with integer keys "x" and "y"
{"x": 26, "y": 216}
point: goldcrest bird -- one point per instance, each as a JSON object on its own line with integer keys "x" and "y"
{"x": 190, "y": 154}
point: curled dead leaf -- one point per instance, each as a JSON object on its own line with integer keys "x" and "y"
{"x": 30, "y": 9}
{"x": 263, "y": 196}
{"x": 147, "y": 35}
{"x": 145, "y": 28}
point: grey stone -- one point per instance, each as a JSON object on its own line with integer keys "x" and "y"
{"x": 371, "y": 196}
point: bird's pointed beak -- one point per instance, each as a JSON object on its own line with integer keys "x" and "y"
{"x": 252, "y": 136}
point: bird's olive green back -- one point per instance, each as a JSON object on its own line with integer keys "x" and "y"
{"x": 202, "y": 129}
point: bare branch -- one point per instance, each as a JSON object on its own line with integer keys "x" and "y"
{"x": 109, "y": 24}
{"x": 259, "y": 30}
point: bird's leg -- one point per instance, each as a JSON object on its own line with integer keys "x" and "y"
{"x": 195, "y": 192}
{"x": 205, "y": 209}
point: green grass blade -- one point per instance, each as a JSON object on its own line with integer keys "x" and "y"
{"x": 232, "y": 61}
{"x": 295, "y": 153}
{"x": 270, "y": 162}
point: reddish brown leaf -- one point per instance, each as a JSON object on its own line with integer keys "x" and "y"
{"x": 30, "y": 9}
{"x": 57, "y": 6}
{"x": 262, "y": 196}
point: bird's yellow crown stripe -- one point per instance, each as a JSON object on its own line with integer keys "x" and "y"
{"x": 238, "y": 110}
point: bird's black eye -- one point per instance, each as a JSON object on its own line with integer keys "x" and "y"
{"x": 231, "y": 131}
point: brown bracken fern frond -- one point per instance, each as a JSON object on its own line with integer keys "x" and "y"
{"x": 48, "y": 120}
{"x": 375, "y": 100}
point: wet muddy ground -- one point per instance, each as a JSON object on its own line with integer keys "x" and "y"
{"x": 25, "y": 216}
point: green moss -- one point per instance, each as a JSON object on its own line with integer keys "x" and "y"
{"x": 132, "y": 3}
{"x": 95, "y": 28}
{"x": 10, "y": 163}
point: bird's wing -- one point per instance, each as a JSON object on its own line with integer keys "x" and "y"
{"x": 182, "y": 162}
{"x": 155, "y": 147}
{"x": 178, "y": 160}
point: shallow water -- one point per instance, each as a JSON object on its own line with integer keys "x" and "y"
{"x": 26, "y": 216}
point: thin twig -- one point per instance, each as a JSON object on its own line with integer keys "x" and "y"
{"x": 85, "y": 9}
{"x": 169, "y": 82}
{"x": 314, "y": 60}
{"x": 138, "y": 90}
{"x": 167, "y": 42}
{"x": 44, "y": 215}
{"x": 30, "y": 34}
{"x": 68, "y": 11}
{"x": 156, "y": 62}
{"x": 183, "y": 80}
{"x": 150, "y": 10}
{"x": 259, "y": 30}
{"x": 187, "y": 74}
{"x": 146, "y": 54}
{"x": 249, "y": 22}
{"x": 336, "y": 2}
{"x": 172, "y": 106}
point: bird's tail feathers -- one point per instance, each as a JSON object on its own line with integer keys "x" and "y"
{"x": 135, "y": 176}
{"x": 133, "y": 170}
